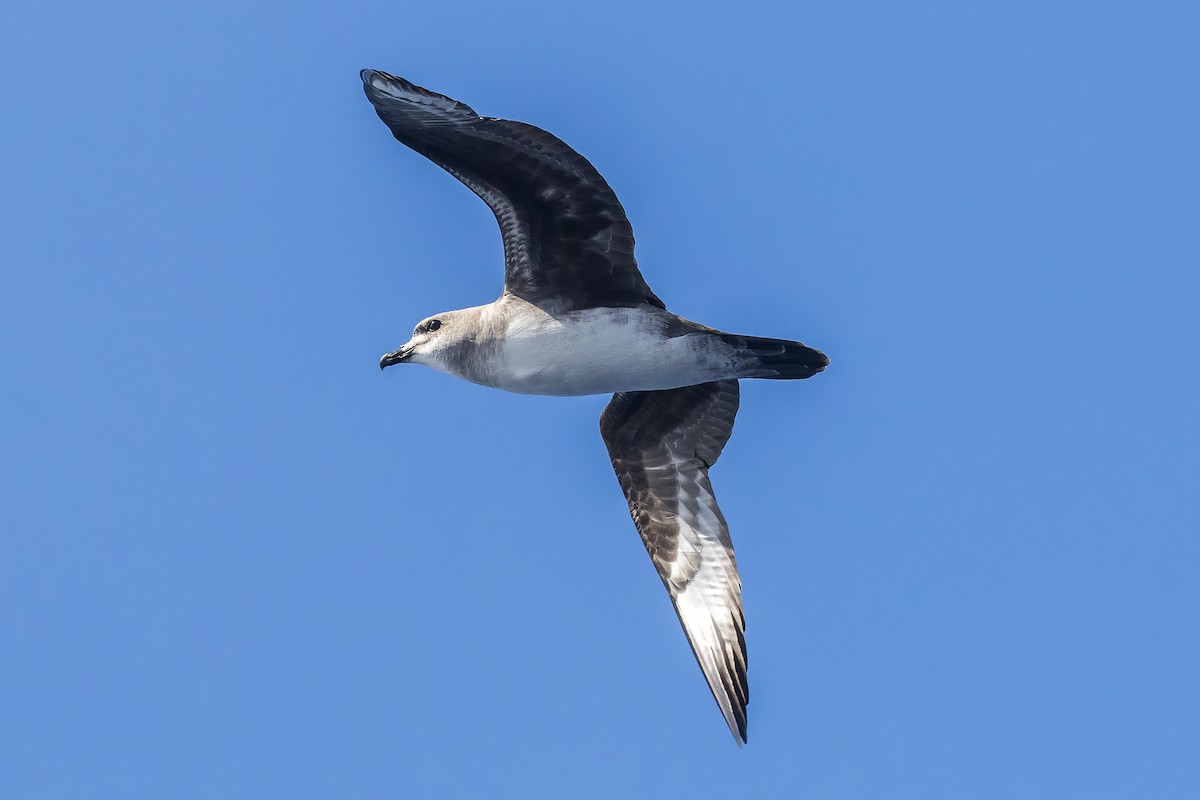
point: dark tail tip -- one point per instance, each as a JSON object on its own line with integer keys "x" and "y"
{"x": 781, "y": 359}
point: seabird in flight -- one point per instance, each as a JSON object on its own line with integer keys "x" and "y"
{"x": 576, "y": 317}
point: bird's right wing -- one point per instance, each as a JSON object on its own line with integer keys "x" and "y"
{"x": 567, "y": 242}
{"x": 662, "y": 444}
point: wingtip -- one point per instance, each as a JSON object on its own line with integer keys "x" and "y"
{"x": 386, "y": 82}
{"x": 737, "y": 726}
{"x": 383, "y": 86}
{"x": 375, "y": 79}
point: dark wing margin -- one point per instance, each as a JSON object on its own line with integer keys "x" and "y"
{"x": 567, "y": 242}
{"x": 661, "y": 444}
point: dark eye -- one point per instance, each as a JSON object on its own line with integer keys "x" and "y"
{"x": 434, "y": 324}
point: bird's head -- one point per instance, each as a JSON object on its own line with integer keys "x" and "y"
{"x": 432, "y": 340}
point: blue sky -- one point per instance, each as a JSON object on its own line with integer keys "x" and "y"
{"x": 239, "y": 561}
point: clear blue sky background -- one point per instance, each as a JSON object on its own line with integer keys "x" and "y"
{"x": 240, "y": 562}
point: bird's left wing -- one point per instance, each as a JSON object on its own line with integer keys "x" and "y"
{"x": 662, "y": 444}
{"x": 567, "y": 242}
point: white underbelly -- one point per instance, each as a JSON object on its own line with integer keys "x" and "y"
{"x": 599, "y": 352}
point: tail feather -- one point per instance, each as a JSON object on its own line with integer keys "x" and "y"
{"x": 777, "y": 359}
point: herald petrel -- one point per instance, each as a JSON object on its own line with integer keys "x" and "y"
{"x": 576, "y": 317}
